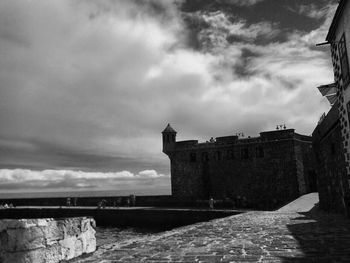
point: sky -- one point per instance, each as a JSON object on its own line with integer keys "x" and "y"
{"x": 86, "y": 87}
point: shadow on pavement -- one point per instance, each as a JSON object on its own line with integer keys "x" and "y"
{"x": 322, "y": 237}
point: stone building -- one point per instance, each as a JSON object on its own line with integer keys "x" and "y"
{"x": 330, "y": 163}
{"x": 261, "y": 172}
{"x": 332, "y": 135}
{"x": 339, "y": 38}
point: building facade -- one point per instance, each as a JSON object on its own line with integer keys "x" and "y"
{"x": 261, "y": 172}
{"x": 331, "y": 138}
{"x": 339, "y": 38}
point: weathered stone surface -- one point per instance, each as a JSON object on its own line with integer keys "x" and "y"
{"x": 45, "y": 240}
{"x": 72, "y": 226}
{"x": 22, "y": 239}
{"x": 54, "y": 231}
{"x": 37, "y": 256}
{"x": 250, "y": 237}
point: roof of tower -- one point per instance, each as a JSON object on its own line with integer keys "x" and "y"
{"x": 168, "y": 128}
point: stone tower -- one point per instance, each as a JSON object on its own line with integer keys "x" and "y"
{"x": 169, "y": 138}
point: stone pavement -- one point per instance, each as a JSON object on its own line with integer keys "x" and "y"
{"x": 249, "y": 237}
{"x": 303, "y": 204}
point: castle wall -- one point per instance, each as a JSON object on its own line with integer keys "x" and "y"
{"x": 262, "y": 172}
{"x": 331, "y": 165}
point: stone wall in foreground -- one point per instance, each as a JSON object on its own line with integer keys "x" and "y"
{"x": 46, "y": 240}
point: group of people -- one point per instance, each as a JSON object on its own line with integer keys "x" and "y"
{"x": 129, "y": 201}
{"x": 6, "y": 206}
{"x": 72, "y": 201}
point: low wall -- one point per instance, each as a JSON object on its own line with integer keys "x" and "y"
{"x": 45, "y": 240}
{"x": 123, "y": 217}
{"x": 119, "y": 201}
{"x": 159, "y": 200}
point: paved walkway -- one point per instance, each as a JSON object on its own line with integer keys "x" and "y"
{"x": 303, "y": 204}
{"x": 249, "y": 237}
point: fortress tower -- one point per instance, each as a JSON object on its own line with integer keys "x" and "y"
{"x": 169, "y": 139}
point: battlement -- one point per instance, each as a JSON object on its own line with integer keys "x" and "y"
{"x": 227, "y": 139}
{"x": 277, "y": 134}
{"x": 231, "y": 140}
{"x": 188, "y": 143}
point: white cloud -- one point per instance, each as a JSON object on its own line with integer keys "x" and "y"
{"x": 22, "y": 175}
{"x": 312, "y": 10}
{"x": 241, "y": 2}
{"x": 220, "y": 28}
{"x": 67, "y": 179}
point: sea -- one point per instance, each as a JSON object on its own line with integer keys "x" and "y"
{"x": 94, "y": 193}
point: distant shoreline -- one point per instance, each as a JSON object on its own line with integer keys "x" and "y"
{"x": 95, "y": 193}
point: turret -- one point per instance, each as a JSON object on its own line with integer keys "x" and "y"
{"x": 169, "y": 138}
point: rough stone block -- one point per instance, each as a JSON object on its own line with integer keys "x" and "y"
{"x": 72, "y": 226}
{"x": 45, "y": 240}
{"x": 25, "y": 239}
{"x": 54, "y": 232}
{"x": 31, "y": 256}
{"x": 68, "y": 246}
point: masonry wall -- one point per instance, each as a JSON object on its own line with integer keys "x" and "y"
{"x": 343, "y": 94}
{"x": 45, "y": 240}
{"x": 331, "y": 165}
{"x": 264, "y": 172}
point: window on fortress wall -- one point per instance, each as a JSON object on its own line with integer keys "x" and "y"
{"x": 344, "y": 60}
{"x": 193, "y": 157}
{"x": 244, "y": 153}
{"x": 259, "y": 152}
{"x": 230, "y": 155}
{"x": 167, "y": 138}
{"x": 218, "y": 156}
{"x": 205, "y": 157}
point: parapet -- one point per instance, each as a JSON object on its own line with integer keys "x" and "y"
{"x": 185, "y": 144}
{"x": 227, "y": 139}
{"x": 46, "y": 239}
{"x": 277, "y": 134}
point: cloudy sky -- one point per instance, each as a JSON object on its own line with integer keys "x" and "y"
{"x": 87, "y": 86}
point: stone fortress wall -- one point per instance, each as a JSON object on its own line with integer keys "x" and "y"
{"x": 46, "y": 240}
{"x": 262, "y": 172}
{"x": 331, "y": 164}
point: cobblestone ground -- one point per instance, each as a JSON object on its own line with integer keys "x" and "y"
{"x": 250, "y": 237}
